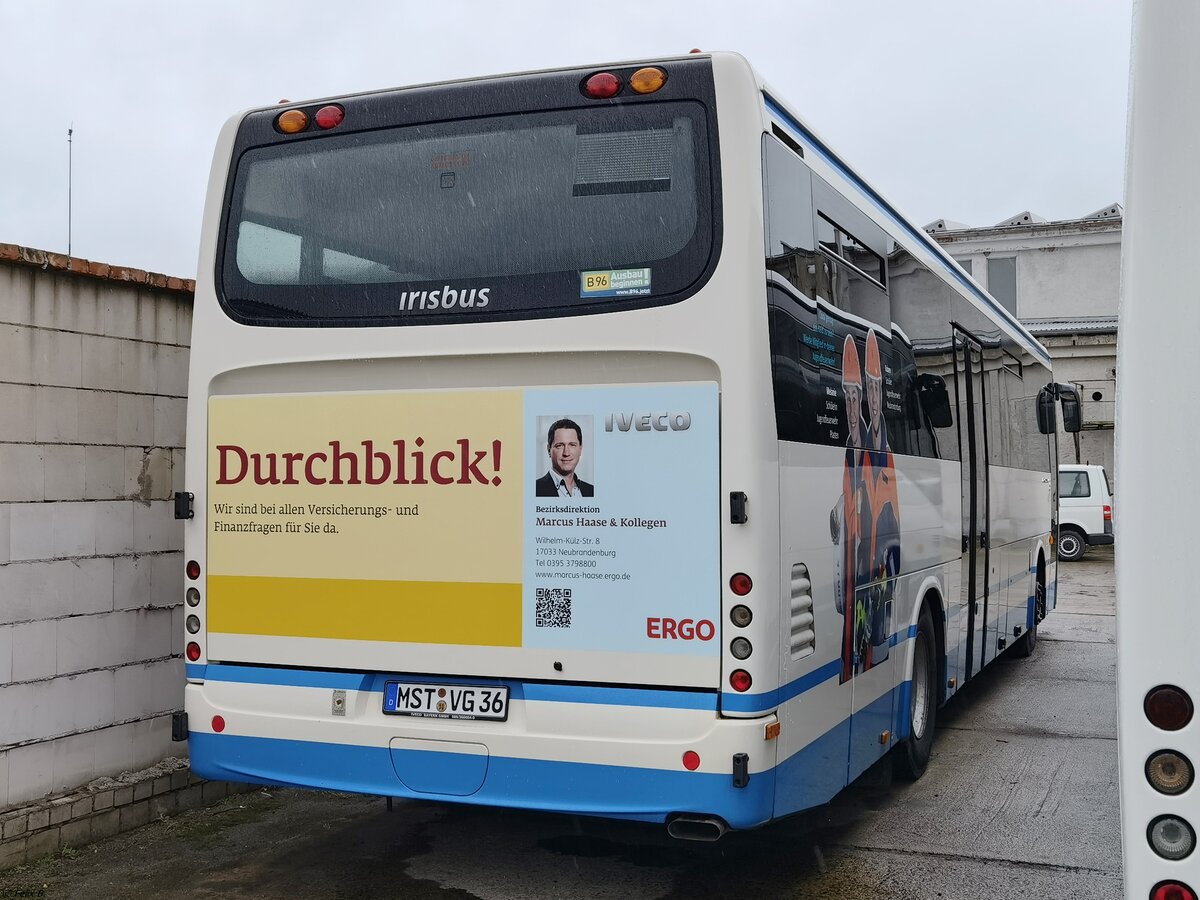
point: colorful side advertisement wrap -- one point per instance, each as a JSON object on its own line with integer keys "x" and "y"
{"x": 562, "y": 519}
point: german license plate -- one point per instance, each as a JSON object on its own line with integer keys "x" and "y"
{"x": 446, "y": 701}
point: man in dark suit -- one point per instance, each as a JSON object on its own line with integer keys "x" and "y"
{"x": 564, "y": 444}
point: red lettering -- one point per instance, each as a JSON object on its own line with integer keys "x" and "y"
{"x": 653, "y": 628}
{"x": 470, "y": 468}
{"x": 308, "y": 468}
{"x": 705, "y": 630}
{"x": 223, "y": 477}
{"x": 291, "y": 458}
{"x": 686, "y": 631}
{"x": 435, "y": 472}
{"x": 338, "y": 456}
{"x": 669, "y": 628}
{"x": 373, "y": 456}
{"x": 259, "y": 478}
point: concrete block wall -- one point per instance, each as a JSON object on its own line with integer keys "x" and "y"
{"x": 93, "y": 383}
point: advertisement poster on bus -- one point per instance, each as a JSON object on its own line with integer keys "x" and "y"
{"x": 580, "y": 518}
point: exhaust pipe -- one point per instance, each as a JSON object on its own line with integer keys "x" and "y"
{"x": 696, "y": 828}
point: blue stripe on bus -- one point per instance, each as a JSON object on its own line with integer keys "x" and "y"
{"x": 544, "y": 692}
{"x": 900, "y": 222}
{"x": 809, "y": 777}
{"x": 645, "y": 794}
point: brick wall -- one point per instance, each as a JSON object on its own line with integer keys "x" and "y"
{"x": 93, "y": 379}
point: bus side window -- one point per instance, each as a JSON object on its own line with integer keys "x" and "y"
{"x": 787, "y": 200}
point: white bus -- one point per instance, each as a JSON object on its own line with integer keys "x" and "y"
{"x": 596, "y": 441}
{"x": 1157, "y": 673}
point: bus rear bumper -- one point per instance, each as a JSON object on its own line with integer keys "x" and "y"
{"x": 495, "y": 764}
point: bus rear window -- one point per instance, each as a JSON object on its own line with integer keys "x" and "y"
{"x": 540, "y": 214}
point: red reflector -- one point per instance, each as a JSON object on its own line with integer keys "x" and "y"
{"x": 1172, "y": 890}
{"x": 1168, "y": 707}
{"x": 193, "y": 569}
{"x": 740, "y": 680}
{"x": 193, "y": 651}
{"x": 741, "y": 584}
{"x": 329, "y": 116}
{"x": 1107, "y": 513}
{"x": 218, "y": 724}
{"x": 602, "y": 85}
{"x": 691, "y": 760}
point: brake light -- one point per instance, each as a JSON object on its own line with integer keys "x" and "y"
{"x": 1172, "y": 890}
{"x": 329, "y": 116}
{"x": 740, "y": 680}
{"x": 193, "y": 569}
{"x": 193, "y": 651}
{"x": 1168, "y": 707}
{"x": 740, "y": 584}
{"x": 602, "y": 85}
{"x": 1107, "y": 513}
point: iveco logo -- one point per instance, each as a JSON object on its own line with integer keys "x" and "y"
{"x": 656, "y": 421}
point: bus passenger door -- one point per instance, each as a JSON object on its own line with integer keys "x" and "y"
{"x": 972, "y": 433}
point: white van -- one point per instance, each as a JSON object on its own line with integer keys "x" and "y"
{"x": 1084, "y": 510}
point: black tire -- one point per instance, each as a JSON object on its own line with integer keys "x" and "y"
{"x": 912, "y": 755}
{"x": 1028, "y": 642}
{"x": 1071, "y": 544}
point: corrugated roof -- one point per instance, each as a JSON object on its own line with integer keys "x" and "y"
{"x": 1078, "y": 325}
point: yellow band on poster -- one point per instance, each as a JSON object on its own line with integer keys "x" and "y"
{"x": 415, "y": 612}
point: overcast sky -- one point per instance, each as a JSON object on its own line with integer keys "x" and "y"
{"x": 970, "y": 110}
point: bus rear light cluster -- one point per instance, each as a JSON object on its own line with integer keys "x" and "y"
{"x": 294, "y": 121}
{"x": 193, "y": 570}
{"x": 603, "y": 85}
{"x": 1168, "y": 707}
{"x": 1169, "y": 772}
{"x": 1171, "y": 837}
{"x": 740, "y": 680}
{"x": 1172, "y": 890}
{"x": 193, "y": 651}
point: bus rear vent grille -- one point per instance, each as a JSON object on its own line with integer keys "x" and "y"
{"x": 804, "y": 636}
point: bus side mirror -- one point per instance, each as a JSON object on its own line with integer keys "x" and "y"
{"x": 935, "y": 400}
{"x": 1072, "y": 413}
{"x": 1045, "y": 410}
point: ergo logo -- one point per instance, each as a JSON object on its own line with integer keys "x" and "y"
{"x": 682, "y": 630}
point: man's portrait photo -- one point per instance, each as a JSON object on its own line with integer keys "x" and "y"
{"x": 565, "y": 453}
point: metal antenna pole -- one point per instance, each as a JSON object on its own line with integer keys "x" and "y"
{"x": 70, "y": 173}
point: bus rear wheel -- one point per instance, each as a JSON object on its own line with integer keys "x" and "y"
{"x": 912, "y": 756}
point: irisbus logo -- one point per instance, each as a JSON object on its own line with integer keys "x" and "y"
{"x": 447, "y": 298}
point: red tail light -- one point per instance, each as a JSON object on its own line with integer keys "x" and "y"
{"x": 1168, "y": 707}
{"x": 1172, "y": 890}
{"x": 1107, "y": 513}
{"x": 740, "y": 584}
{"x": 193, "y": 569}
{"x": 193, "y": 651}
{"x": 740, "y": 680}
{"x": 602, "y": 85}
{"x": 329, "y": 116}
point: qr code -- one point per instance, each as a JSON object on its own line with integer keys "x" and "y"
{"x": 553, "y": 608}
